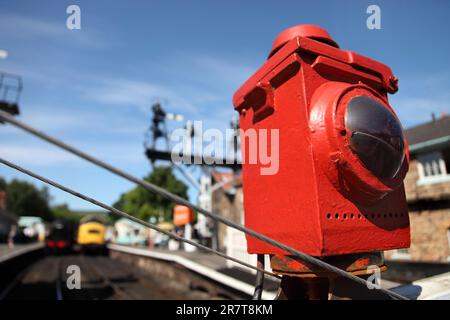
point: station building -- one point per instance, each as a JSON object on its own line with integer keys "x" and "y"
{"x": 427, "y": 186}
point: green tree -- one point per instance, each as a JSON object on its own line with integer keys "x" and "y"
{"x": 144, "y": 204}
{"x": 3, "y": 184}
{"x": 63, "y": 212}
{"x": 23, "y": 198}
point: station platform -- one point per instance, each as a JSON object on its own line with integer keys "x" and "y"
{"x": 214, "y": 267}
{"x": 7, "y": 253}
{"x": 431, "y": 288}
{"x": 208, "y": 265}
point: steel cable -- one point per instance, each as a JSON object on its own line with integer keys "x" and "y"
{"x": 177, "y": 199}
{"x": 128, "y": 216}
{"x": 302, "y": 256}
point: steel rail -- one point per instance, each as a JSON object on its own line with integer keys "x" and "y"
{"x": 302, "y": 256}
{"x": 14, "y": 283}
{"x": 59, "y": 280}
{"x": 125, "y": 295}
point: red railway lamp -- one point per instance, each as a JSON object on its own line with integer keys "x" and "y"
{"x": 342, "y": 154}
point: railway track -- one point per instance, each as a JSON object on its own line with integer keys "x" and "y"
{"x": 101, "y": 278}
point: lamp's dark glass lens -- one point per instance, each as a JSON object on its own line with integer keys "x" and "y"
{"x": 376, "y": 136}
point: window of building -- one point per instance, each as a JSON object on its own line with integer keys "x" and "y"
{"x": 433, "y": 167}
{"x": 446, "y": 157}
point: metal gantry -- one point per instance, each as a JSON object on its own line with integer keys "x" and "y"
{"x": 10, "y": 89}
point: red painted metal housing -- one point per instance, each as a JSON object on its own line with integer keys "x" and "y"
{"x": 323, "y": 200}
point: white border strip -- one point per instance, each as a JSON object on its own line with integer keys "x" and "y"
{"x": 196, "y": 267}
{"x": 21, "y": 251}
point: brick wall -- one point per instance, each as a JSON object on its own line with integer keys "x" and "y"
{"x": 429, "y": 236}
{"x": 410, "y": 181}
{"x": 429, "y": 212}
{"x": 229, "y": 206}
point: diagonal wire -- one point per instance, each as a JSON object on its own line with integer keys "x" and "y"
{"x": 177, "y": 199}
{"x": 128, "y": 216}
{"x": 301, "y": 255}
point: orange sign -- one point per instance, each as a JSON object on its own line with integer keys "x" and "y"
{"x": 182, "y": 215}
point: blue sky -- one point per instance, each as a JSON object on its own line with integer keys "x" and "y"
{"x": 93, "y": 87}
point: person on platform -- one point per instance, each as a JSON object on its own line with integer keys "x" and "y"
{"x": 11, "y": 236}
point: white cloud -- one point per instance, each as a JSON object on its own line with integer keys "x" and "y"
{"x": 32, "y": 155}
{"x": 416, "y": 110}
{"x": 27, "y": 27}
{"x": 224, "y": 72}
{"x": 30, "y": 26}
{"x": 140, "y": 94}
{"x": 61, "y": 122}
{"x": 48, "y": 156}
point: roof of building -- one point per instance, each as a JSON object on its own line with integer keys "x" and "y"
{"x": 434, "y": 129}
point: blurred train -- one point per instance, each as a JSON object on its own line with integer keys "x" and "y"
{"x": 60, "y": 237}
{"x": 91, "y": 235}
